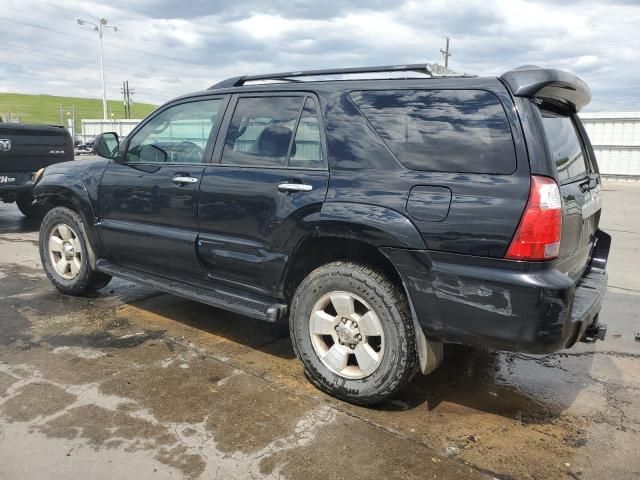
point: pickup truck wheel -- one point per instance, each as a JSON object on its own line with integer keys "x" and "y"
{"x": 63, "y": 251}
{"x": 29, "y": 207}
{"x": 352, "y": 329}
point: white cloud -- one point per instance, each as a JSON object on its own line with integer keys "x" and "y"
{"x": 166, "y": 47}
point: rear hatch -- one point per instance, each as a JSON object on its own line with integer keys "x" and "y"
{"x": 27, "y": 148}
{"x": 580, "y": 187}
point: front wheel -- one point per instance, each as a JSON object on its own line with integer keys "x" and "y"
{"x": 64, "y": 253}
{"x": 352, "y": 329}
{"x": 29, "y": 207}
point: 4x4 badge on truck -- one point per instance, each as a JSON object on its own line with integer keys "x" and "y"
{"x": 5, "y": 144}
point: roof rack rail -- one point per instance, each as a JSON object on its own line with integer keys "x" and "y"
{"x": 431, "y": 69}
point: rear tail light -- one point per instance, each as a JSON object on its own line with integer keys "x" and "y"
{"x": 538, "y": 235}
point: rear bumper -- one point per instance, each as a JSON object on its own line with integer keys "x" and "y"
{"x": 15, "y": 184}
{"x": 503, "y": 304}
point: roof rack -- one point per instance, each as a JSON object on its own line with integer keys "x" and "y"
{"x": 431, "y": 69}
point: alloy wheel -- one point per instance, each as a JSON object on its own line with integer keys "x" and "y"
{"x": 65, "y": 251}
{"x": 347, "y": 335}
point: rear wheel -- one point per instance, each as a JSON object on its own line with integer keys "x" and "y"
{"x": 64, "y": 253}
{"x": 352, "y": 329}
{"x": 29, "y": 207}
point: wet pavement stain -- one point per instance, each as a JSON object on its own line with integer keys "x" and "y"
{"x": 35, "y": 400}
{"x": 5, "y": 382}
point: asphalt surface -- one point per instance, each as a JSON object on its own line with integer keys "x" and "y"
{"x": 136, "y": 384}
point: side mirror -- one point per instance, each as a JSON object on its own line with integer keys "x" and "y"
{"x": 106, "y": 145}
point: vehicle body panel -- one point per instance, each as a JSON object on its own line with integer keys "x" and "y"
{"x": 485, "y": 209}
{"x": 502, "y": 304}
{"x": 248, "y": 228}
{"x": 148, "y": 220}
{"x": 76, "y": 184}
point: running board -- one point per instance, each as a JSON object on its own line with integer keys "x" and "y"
{"x": 233, "y": 301}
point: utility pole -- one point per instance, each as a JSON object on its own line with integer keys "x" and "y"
{"x": 62, "y": 115}
{"x": 126, "y": 94}
{"x": 124, "y": 98}
{"x": 100, "y": 27}
{"x": 446, "y": 54}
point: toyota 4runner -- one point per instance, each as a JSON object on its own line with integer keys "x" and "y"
{"x": 382, "y": 217}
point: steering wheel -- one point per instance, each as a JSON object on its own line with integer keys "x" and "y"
{"x": 188, "y": 152}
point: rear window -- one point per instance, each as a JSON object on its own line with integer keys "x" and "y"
{"x": 564, "y": 145}
{"x": 462, "y": 131}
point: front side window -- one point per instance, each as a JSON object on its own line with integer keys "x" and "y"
{"x": 565, "y": 146}
{"x": 274, "y": 131}
{"x": 177, "y": 135}
{"x": 464, "y": 131}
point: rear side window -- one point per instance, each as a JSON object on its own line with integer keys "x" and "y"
{"x": 442, "y": 130}
{"x": 261, "y": 131}
{"x": 564, "y": 145}
{"x": 274, "y": 131}
{"x": 307, "y": 150}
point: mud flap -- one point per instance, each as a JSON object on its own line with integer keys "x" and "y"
{"x": 430, "y": 353}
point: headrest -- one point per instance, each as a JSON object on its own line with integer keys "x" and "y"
{"x": 274, "y": 141}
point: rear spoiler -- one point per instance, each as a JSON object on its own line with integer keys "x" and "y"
{"x": 548, "y": 83}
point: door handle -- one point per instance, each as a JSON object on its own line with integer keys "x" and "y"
{"x": 294, "y": 187}
{"x": 179, "y": 179}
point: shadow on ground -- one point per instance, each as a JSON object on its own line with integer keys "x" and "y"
{"x": 471, "y": 377}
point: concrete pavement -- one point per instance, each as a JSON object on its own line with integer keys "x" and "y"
{"x": 136, "y": 384}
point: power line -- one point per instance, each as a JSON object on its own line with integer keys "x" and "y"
{"x": 128, "y": 47}
{"x": 83, "y": 60}
{"x": 58, "y": 59}
{"x": 76, "y": 14}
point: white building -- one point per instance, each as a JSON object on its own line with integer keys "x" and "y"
{"x": 616, "y": 140}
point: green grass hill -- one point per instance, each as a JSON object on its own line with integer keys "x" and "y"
{"x": 45, "y": 109}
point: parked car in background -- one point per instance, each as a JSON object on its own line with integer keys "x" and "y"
{"x": 83, "y": 147}
{"x": 381, "y": 217}
{"x": 25, "y": 150}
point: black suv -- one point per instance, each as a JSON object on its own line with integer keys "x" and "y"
{"x": 382, "y": 217}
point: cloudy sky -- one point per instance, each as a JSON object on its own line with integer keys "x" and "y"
{"x": 169, "y": 47}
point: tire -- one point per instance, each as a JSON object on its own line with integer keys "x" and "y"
{"x": 397, "y": 358}
{"x": 77, "y": 278}
{"x": 29, "y": 208}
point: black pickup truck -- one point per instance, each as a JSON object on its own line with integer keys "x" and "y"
{"x": 24, "y": 152}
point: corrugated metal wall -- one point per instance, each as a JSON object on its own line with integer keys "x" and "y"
{"x": 93, "y": 127}
{"x": 616, "y": 140}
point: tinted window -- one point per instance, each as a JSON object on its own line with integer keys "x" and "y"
{"x": 261, "y": 131}
{"x": 307, "y": 150}
{"x": 177, "y": 135}
{"x": 442, "y": 130}
{"x": 564, "y": 145}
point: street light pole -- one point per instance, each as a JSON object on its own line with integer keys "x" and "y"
{"x": 104, "y": 88}
{"x": 99, "y": 28}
